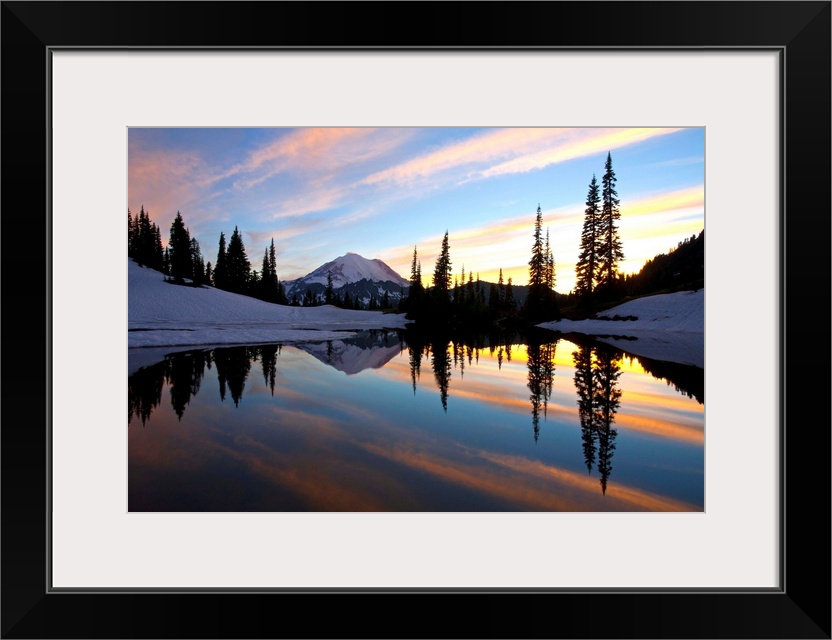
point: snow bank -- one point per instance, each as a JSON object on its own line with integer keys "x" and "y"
{"x": 162, "y": 314}
{"x": 670, "y": 327}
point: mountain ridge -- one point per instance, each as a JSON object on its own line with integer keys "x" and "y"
{"x": 352, "y": 273}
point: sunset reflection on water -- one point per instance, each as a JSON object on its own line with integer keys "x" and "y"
{"x": 542, "y": 426}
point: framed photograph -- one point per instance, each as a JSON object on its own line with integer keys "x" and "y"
{"x": 467, "y": 456}
{"x": 436, "y": 392}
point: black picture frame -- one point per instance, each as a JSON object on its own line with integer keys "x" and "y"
{"x": 799, "y": 31}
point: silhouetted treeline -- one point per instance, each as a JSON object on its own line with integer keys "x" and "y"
{"x": 144, "y": 240}
{"x": 454, "y": 302}
{"x": 183, "y": 262}
{"x": 680, "y": 268}
{"x": 361, "y": 295}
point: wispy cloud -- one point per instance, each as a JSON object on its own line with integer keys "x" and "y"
{"x": 510, "y": 151}
{"x": 597, "y": 141}
{"x": 319, "y": 153}
{"x": 165, "y": 182}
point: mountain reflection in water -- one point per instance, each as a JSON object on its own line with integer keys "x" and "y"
{"x": 418, "y": 423}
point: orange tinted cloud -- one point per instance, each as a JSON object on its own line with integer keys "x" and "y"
{"x": 165, "y": 182}
{"x": 319, "y": 149}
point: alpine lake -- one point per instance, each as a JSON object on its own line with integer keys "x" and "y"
{"x": 400, "y": 422}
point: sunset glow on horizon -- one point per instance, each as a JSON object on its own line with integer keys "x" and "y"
{"x": 323, "y": 192}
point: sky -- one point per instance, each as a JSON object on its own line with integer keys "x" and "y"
{"x": 323, "y": 192}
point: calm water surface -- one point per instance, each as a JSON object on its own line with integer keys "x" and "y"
{"x": 387, "y": 422}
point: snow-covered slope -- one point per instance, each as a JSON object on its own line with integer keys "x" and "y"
{"x": 669, "y": 327}
{"x": 163, "y": 314}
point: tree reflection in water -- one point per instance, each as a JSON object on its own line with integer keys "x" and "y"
{"x": 597, "y": 370}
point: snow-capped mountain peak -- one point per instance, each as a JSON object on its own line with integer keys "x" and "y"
{"x": 348, "y": 269}
{"x": 356, "y": 281}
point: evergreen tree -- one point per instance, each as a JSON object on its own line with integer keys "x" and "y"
{"x": 129, "y": 233}
{"x": 510, "y": 302}
{"x": 158, "y": 253}
{"x": 254, "y": 284}
{"x": 209, "y": 274}
{"x": 237, "y": 264}
{"x": 537, "y": 262}
{"x": 181, "y": 264}
{"x": 494, "y": 297}
{"x": 550, "y": 299}
{"x": 416, "y": 289}
{"x": 220, "y": 269}
{"x": 549, "y": 277}
{"x": 442, "y": 273}
{"x": 279, "y": 295}
{"x": 265, "y": 278}
{"x": 198, "y": 263}
{"x": 610, "y": 248}
{"x": 479, "y": 302}
{"x": 329, "y": 293}
{"x": 501, "y": 291}
{"x": 142, "y": 231}
{"x": 136, "y": 234}
{"x": 166, "y": 262}
{"x": 144, "y": 240}
{"x": 536, "y": 299}
{"x": 586, "y": 269}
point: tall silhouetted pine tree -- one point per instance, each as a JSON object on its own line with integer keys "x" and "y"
{"x": 268, "y": 285}
{"x": 279, "y": 295}
{"x": 549, "y": 275}
{"x": 129, "y": 233}
{"x": 610, "y": 248}
{"x": 416, "y": 290}
{"x": 237, "y": 264}
{"x": 442, "y": 274}
{"x": 221, "y": 269}
{"x": 511, "y": 304}
{"x": 586, "y": 269}
{"x": 266, "y": 292}
{"x": 179, "y": 245}
{"x": 535, "y": 301}
{"x": 329, "y": 294}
